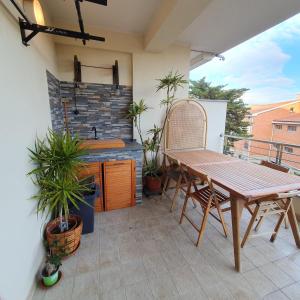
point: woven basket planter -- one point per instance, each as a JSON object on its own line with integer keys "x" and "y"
{"x": 67, "y": 242}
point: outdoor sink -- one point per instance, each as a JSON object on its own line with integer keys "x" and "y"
{"x": 103, "y": 144}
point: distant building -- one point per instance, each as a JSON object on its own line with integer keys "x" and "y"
{"x": 276, "y": 122}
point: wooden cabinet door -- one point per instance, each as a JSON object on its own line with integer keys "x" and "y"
{"x": 95, "y": 168}
{"x": 119, "y": 184}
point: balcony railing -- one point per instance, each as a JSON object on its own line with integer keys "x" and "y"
{"x": 256, "y": 150}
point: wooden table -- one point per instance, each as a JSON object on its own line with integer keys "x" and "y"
{"x": 244, "y": 180}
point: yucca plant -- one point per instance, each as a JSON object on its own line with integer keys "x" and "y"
{"x": 57, "y": 162}
{"x": 151, "y": 146}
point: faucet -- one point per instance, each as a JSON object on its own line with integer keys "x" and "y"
{"x": 95, "y": 130}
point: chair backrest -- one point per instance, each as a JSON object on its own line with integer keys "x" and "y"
{"x": 186, "y": 126}
{"x": 274, "y": 166}
{"x": 195, "y": 175}
{"x": 289, "y": 194}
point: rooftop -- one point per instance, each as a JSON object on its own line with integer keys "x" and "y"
{"x": 293, "y": 118}
{"x": 260, "y": 108}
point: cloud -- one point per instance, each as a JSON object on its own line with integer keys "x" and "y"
{"x": 257, "y": 64}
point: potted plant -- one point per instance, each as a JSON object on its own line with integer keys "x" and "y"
{"x": 50, "y": 271}
{"x": 57, "y": 163}
{"x": 151, "y": 145}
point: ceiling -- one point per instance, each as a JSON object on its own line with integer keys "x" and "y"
{"x": 205, "y": 25}
{"x": 132, "y": 16}
{"x": 226, "y": 23}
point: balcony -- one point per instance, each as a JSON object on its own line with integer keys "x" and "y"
{"x": 256, "y": 150}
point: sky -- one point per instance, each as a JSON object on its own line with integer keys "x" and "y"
{"x": 267, "y": 64}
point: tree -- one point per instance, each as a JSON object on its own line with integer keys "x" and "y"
{"x": 237, "y": 110}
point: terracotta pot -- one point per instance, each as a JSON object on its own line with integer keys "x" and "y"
{"x": 153, "y": 184}
{"x": 64, "y": 243}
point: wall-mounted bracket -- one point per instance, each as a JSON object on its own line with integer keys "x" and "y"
{"x": 35, "y": 29}
{"x": 26, "y": 24}
{"x": 114, "y": 68}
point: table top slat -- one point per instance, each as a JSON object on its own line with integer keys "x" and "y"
{"x": 240, "y": 177}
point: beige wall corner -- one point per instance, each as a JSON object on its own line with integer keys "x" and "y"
{"x": 147, "y": 68}
{"x": 25, "y": 113}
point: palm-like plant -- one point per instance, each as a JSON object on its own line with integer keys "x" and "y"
{"x": 57, "y": 162}
{"x": 135, "y": 111}
{"x": 151, "y": 145}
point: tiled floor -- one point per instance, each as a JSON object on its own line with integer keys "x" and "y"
{"x": 143, "y": 253}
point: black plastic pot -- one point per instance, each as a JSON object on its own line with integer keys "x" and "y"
{"x": 86, "y": 212}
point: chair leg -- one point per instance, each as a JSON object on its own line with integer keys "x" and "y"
{"x": 194, "y": 202}
{"x": 253, "y": 218}
{"x": 184, "y": 206}
{"x": 249, "y": 209}
{"x": 281, "y": 219}
{"x": 178, "y": 183}
{"x": 258, "y": 224}
{"x": 260, "y": 221}
{"x": 166, "y": 183}
{"x": 286, "y": 223}
{"x": 221, "y": 217}
{"x": 204, "y": 221}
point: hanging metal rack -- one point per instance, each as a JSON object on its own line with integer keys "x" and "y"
{"x": 114, "y": 68}
{"x": 26, "y": 24}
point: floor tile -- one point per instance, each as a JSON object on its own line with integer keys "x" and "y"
{"x": 255, "y": 256}
{"x": 276, "y": 275}
{"x": 139, "y": 291}
{"x": 260, "y": 283}
{"x": 88, "y": 261}
{"x": 290, "y": 268}
{"x": 154, "y": 265}
{"x": 278, "y": 295}
{"x": 86, "y": 283}
{"x": 173, "y": 259}
{"x": 132, "y": 272}
{"x": 195, "y": 294}
{"x": 163, "y": 287}
{"x": 184, "y": 279}
{"x": 116, "y": 294}
{"x": 110, "y": 278}
{"x": 292, "y": 291}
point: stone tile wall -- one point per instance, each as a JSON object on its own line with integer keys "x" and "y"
{"x": 56, "y": 108}
{"x": 99, "y": 105}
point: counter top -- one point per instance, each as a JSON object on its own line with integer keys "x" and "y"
{"x": 129, "y": 146}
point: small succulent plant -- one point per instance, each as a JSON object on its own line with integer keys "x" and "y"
{"x": 52, "y": 264}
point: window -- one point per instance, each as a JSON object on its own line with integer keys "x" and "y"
{"x": 292, "y": 128}
{"x": 278, "y": 126}
{"x": 246, "y": 145}
{"x": 292, "y": 109}
{"x": 288, "y": 149}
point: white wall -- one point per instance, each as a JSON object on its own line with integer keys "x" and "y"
{"x": 147, "y": 68}
{"x": 93, "y": 57}
{"x": 24, "y": 113}
{"x": 216, "y": 116}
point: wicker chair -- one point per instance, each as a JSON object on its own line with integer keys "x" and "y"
{"x": 186, "y": 128}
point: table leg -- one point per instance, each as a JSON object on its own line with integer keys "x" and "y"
{"x": 237, "y": 206}
{"x": 294, "y": 224}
